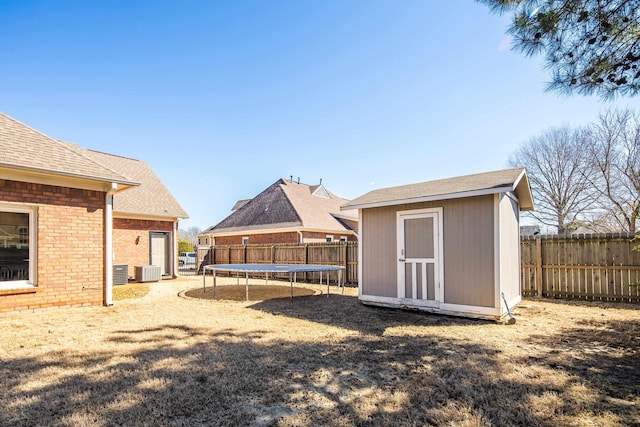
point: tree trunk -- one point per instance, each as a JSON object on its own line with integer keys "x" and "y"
{"x": 561, "y": 229}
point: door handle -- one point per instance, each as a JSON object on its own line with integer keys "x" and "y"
{"x": 402, "y": 260}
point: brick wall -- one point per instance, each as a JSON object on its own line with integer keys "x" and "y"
{"x": 70, "y": 246}
{"x": 127, "y": 248}
{"x": 284, "y": 237}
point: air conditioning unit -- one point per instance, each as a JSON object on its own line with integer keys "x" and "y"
{"x": 148, "y": 273}
{"x": 120, "y": 274}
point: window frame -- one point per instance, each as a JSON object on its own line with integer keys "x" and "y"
{"x": 32, "y": 234}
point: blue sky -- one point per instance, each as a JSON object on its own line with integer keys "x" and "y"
{"x": 222, "y": 98}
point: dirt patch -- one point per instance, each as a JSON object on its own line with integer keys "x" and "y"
{"x": 317, "y": 360}
{"x": 255, "y": 292}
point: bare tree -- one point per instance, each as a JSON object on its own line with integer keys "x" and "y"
{"x": 554, "y": 162}
{"x": 613, "y": 146}
{"x": 190, "y": 235}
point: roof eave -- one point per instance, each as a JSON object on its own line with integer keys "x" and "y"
{"x": 431, "y": 198}
{"x": 147, "y": 216}
{"x": 43, "y": 176}
{"x": 522, "y": 189}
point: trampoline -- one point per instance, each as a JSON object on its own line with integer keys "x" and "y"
{"x": 291, "y": 269}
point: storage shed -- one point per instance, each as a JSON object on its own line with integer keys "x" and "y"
{"x": 450, "y": 246}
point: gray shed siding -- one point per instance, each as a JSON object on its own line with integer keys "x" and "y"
{"x": 379, "y": 258}
{"x": 468, "y": 227}
{"x": 510, "y": 248}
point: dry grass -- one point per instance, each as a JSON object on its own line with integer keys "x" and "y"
{"x": 130, "y": 290}
{"x": 162, "y": 359}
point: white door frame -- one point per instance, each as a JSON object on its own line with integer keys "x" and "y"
{"x": 437, "y": 260}
{"x": 166, "y": 255}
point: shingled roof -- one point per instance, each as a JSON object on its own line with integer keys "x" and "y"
{"x": 23, "y": 148}
{"x": 514, "y": 180}
{"x": 287, "y": 204}
{"x": 151, "y": 198}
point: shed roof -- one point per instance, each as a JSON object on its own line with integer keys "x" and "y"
{"x": 24, "y": 148}
{"x": 287, "y": 204}
{"x": 508, "y": 180}
{"x": 150, "y": 198}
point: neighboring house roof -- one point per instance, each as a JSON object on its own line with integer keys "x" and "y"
{"x": 288, "y": 204}
{"x": 239, "y": 204}
{"x": 25, "y": 149}
{"x": 514, "y": 180}
{"x": 150, "y": 198}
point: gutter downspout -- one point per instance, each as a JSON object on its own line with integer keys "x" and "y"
{"x": 301, "y": 237}
{"x": 108, "y": 245}
{"x": 174, "y": 261}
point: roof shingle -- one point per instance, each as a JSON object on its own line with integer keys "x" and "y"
{"x": 286, "y": 204}
{"x": 22, "y": 147}
{"x": 151, "y": 197}
{"x": 482, "y": 183}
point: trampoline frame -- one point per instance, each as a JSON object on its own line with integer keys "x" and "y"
{"x": 291, "y": 269}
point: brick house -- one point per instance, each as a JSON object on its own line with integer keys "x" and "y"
{"x": 285, "y": 212}
{"x": 61, "y": 228}
{"x": 145, "y": 217}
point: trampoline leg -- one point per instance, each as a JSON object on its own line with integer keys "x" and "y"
{"x": 291, "y": 286}
{"x": 327, "y": 284}
{"x": 246, "y": 286}
{"x": 214, "y": 284}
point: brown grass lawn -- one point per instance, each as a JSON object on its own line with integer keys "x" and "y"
{"x": 162, "y": 358}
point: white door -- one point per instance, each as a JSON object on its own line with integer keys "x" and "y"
{"x": 420, "y": 255}
{"x": 160, "y": 251}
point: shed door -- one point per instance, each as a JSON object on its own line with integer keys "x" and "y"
{"x": 160, "y": 251}
{"x": 419, "y": 255}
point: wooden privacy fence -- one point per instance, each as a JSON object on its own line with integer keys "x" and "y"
{"x": 342, "y": 254}
{"x": 586, "y": 266}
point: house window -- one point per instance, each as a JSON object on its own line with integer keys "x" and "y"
{"x": 343, "y": 239}
{"x": 199, "y": 242}
{"x": 206, "y": 240}
{"x": 329, "y": 239}
{"x": 17, "y": 246}
{"x": 245, "y": 240}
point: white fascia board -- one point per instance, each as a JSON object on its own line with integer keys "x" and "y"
{"x": 130, "y": 215}
{"x": 434, "y": 198}
{"x": 61, "y": 179}
{"x": 517, "y": 181}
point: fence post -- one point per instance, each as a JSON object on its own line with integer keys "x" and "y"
{"x": 344, "y": 258}
{"x": 538, "y": 266}
{"x": 306, "y": 260}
